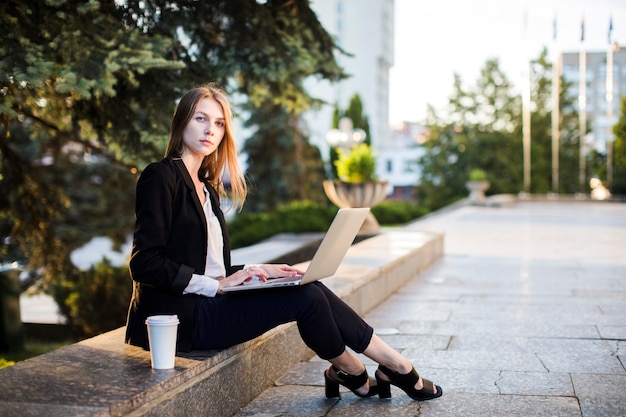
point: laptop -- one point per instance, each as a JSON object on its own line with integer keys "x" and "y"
{"x": 328, "y": 256}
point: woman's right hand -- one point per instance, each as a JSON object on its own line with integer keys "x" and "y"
{"x": 242, "y": 276}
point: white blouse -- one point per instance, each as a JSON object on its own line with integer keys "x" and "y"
{"x": 214, "y": 269}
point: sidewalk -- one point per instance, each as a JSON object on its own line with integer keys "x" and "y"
{"x": 524, "y": 316}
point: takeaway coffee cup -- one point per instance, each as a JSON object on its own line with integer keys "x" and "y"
{"x": 162, "y": 337}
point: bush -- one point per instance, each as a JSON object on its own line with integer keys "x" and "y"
{"x": 391, "y": 213}
{"x": 477, "y": 175}
{"x": 296, "y": 217}
{"x": 98, "y": 300}
{"x": 5, "y": 363}
{"x": 301, "y": 217}
{"x": 357, "y": 165}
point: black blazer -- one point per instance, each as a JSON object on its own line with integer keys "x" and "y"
{"x": 169, "y": 246}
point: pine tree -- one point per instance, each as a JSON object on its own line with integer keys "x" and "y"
{"x": 282, "y": 165}
{"x": 87, "y": 91}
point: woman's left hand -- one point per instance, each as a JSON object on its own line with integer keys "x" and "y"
{"x": 281, "y": 270}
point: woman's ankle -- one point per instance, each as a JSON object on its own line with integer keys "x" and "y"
{"x": 354, "y": 371}
{"x": 348, "y": 363}
{"x": 402, "y": 368}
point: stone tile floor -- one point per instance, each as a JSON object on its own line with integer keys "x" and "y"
{"x": 525, "y": 315}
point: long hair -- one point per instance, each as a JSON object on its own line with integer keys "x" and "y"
{"x": 213, "y": 166}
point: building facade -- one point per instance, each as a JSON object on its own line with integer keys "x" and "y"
{"x": 600, "y": 117}
{"x": 365, "y": 30}
{"x": 397, "y": 159}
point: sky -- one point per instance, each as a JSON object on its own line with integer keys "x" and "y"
{"x": 435, "y": 39}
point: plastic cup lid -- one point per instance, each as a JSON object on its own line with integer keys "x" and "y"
{"x": 162, "y": 320}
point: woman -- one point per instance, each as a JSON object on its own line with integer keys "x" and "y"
{"x": 180, "y": 262}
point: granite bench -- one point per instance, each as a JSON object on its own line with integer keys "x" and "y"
{"x": 102, "y": 376}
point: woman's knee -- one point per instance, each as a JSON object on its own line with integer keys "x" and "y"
{"x": 310, "y": 300}
{"x": 314, "y": 293}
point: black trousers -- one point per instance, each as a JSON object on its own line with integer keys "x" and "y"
{"x": 326, "y": 324}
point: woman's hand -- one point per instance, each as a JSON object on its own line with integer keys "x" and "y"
{"x": 241, "y": 276}
{"x": 262, "y": 272}
{"x": 281, "y": 270}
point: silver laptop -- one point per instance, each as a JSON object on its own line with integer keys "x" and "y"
{"x": 328, "y": 255}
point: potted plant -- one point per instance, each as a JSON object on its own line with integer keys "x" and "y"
{"x": 357, "y": 185}
{"x": 477, "y": 185}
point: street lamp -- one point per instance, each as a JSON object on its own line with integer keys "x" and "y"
{"x": 345, "y": 137}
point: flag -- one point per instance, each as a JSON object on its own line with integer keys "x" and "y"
{"x": 582, "y": 29}
{"x": 610, "y": 28}
{"x": 554, "y": 28}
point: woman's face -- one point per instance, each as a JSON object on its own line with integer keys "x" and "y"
{"x": 205, "y": 130}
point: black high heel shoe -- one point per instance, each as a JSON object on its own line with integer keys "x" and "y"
{"x": 352, "y": 382}
{"x": 406, "y": 382}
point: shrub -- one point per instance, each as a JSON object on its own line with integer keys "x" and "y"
{"x": 477, "y": 175}
{"x": 5, "y": 363}
{"x": 392, "y": 213}
{"x": 301, "y": 217}
{"x": 97, "y": 301}
{"x": 358, "y": 165}
{"x": 296, "y": 217}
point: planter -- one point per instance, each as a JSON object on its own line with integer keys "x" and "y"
{"x": 477, "y": 191}
{"x": 358, "y": 194}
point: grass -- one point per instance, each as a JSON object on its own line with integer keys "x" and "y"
{"x": 31, "y": 349}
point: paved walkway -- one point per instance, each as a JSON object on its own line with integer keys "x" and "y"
{"x": 524, "y": 316}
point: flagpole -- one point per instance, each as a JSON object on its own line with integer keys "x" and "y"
{"x": 556, "y": 90}
{"x": 609, "y": 108}
{"x": 582, "y": 112}
{"x": 526, "y": 112}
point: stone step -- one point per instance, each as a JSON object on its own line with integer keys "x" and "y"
{"x": 102, "y": 376}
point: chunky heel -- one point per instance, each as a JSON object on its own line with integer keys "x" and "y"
{"x": 332, "y": 387}
{"x": 406, "y": 382}
{"x": 352, "y": 382}
{"x": 384, "y": 388}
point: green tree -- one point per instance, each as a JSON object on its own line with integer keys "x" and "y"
{"x": 286, "y": 45}
{"x": 264, "y": 50}
{"x": 493, "y": 139}
{"x": 87, "y": 90}
{"x": 477, "y": 131}
{"x": 443, "y": 163}
{"x": 359, "y": 119}
{"x": 619, "y": 152}
{"x": 569, "y": 149}
{"x": 482, "y": 128}
{"x": 541, "y": 134}
{"x": 75, "y": 84}
{"x": 333, "y": 155}
{"x": 282, "y": 165}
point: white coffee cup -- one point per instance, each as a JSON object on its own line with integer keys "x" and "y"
{"x": 162, "y": 332}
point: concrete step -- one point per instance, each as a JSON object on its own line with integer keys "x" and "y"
{"x": 102, "y": 376}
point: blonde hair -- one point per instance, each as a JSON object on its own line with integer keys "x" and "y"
{"x": 213, "y": 165}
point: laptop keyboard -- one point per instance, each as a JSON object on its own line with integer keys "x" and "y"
{"x": 285, "y": 279}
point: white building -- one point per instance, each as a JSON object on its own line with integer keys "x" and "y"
{"x": 600, "y": 118}
{"x": 365, "y": 29}
{"x": 397, "y": 159}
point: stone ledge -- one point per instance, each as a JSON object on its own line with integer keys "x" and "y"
{"x": 102, "y": 376}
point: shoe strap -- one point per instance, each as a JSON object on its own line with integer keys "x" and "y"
{"x": 428, "y": 385}
{"x": 351, "y": 381}
{"x": 409, "y": 379}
